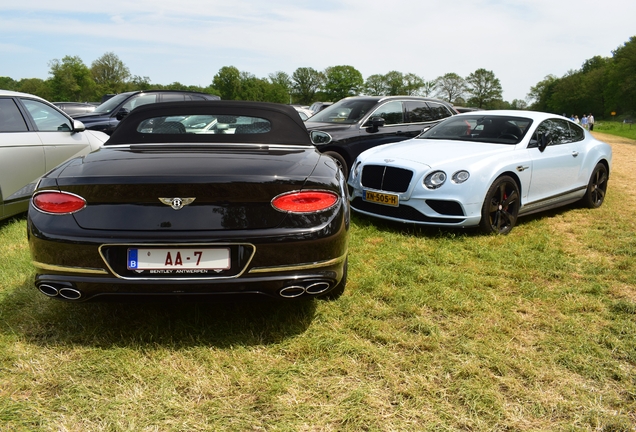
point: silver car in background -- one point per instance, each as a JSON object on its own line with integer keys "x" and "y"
{"x": 35, "y": 137}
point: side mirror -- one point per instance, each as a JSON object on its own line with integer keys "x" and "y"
{"x": 78, "y": 126}
{"x": 122, "y": 113}
{"x": 319, "y": 137}
{"x": 375, "y": 123}
{"x": 544, "y": 140}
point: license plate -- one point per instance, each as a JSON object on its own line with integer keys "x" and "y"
{"x": 381, "y": 198}
{"x": 179, "y": 258}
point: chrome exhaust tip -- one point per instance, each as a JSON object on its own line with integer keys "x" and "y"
{"x": 70, "y": 293}
{"x": 48, "y": 290}
{"x": 317, "y": 288}
{"x": 292, "y": 291}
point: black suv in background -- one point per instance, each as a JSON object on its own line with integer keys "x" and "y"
{"x": 355, "y": 124}
{"x": 106, "y": 116}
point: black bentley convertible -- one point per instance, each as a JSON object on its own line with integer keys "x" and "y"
{"x": 194, "y": 199}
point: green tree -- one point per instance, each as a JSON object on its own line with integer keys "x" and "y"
{"x": 306, "y": 83}
{"x": 622, "y": 77}
{"x": 35, "y": 86}
{"x": 428, "y": 88}
{"x": 281, "y": 88}
{"x": 450, "y": 87}
{"x": 375, "y": 85}
{"x": 412, "y": 84}
{"x": 541, "y": 93}
{"x": 228, "y": 82}
{"x": 7, "y": 83}
{"x": 71, "y": 80}
{"x": 342, "y": 81}
{"x": 110, "y": 74}
{"x": 483, "y": 87}
{"x": 139, "y": 83}
{"x": 394, "y": 83}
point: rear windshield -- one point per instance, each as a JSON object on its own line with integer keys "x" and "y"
{"x": 495, "y": 129}
{"x": 204, "y": 124}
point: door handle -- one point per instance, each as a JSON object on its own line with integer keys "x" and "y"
{"x": 575, "y": 153}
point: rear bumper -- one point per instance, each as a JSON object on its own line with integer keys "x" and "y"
{"x": 284, "y": 263}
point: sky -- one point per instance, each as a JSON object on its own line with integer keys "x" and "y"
{"x": 190, "y": 40}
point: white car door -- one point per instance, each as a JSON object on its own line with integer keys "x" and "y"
{"x": 555, "y": 170}
{"x": 21, "y": 159}
{"x": 55, "y": 133}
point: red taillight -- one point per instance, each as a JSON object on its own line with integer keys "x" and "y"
{"x": 58, "y": 202}
{"x": 305, "y": 202}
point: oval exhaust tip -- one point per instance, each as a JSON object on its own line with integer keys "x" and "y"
{"x": 48, "y": 290}
{"x": 292, "y": 291}
{"x": 317, "y": 288}
{"x": 70, "y": 293}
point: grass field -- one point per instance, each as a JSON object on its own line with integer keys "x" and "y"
{"x": 625, "y": 130}
{"x": 438, "y": 330}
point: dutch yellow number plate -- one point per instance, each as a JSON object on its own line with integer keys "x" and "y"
{"x": 381, "y": 198}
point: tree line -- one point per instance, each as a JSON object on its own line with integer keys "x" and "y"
{"x": 72, "y": 80}
{"x": 603, "y": 85}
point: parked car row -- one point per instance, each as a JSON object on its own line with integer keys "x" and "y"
{"x": 203, "y": 197}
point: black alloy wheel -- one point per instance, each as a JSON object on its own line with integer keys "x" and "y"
{"x": 501, "y": 207}
{"x": 596, "y": 188}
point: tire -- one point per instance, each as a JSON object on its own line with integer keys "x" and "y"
{"x": 596, "y": 187}
{"x": 341, "y": 163}
{"x": 501, "y": 206}
{"x": 335, "y": 293}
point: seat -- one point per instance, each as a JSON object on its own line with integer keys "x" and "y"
{"x": 170, "y": 128}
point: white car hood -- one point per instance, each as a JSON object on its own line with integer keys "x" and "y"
{"x": 432, "y": 153}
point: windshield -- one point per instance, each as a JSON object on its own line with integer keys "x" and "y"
{"x": 346, "y": 111}
{"x": 112, "y": 103}
{"x": 496, "y": 129}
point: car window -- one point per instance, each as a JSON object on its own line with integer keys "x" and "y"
{"x": 10, "y": 118}
{"x": 47, "y": 118}
{"x": 576, "y": 132}
{"x": 139, "y": 100}
{"x": 172, "y": 97}
{"x": 557, "y": 130}
{"x": 392, "y": 113}
{"x": 495, "y": 129}
{"x": 418, "y": 112}
{"x": 439, "y": 111}
{"x": 204, "y": 124}
{"x": 346, "y": 111}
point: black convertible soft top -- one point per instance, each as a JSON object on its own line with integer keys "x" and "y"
{"x": 285, "y": 125}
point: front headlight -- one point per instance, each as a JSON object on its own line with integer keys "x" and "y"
{"x": 435, "y": 179}
{"x": 460, "y": 176}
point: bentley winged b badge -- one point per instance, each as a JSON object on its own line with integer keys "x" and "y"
{"x": 177, "y": 203}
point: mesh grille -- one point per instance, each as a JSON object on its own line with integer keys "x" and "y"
{"x": 386, "y": 178}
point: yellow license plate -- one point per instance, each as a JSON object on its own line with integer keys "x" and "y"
{"x": 381, "y": 198}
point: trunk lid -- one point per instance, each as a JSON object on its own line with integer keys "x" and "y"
{"x": 232, "y": 188}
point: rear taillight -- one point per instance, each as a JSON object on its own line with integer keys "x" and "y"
{"x": 305, "y": 201}
{"x": 58, "y": 202}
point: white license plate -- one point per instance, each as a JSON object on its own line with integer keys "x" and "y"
{"x": 179, "y": 258}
